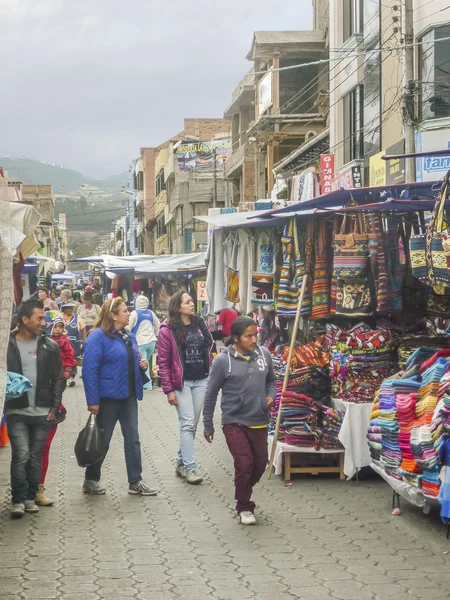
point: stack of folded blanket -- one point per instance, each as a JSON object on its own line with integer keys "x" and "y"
{"x": 330, "y": 422}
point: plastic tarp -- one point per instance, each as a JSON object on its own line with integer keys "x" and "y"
{"x": 426, "y": 190}
{"x": 242, "y": 219}
{"x": 150, "y": 265}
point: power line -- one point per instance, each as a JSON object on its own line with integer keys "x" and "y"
{"x": 343, "y": 50}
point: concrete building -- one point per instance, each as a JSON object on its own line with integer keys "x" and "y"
{"x": 291, "y": 103}
{"x": 240, "y": 167}
{"x": 41, "y": 197}
{"x": 182, "y": 178}
{"x": 120, "y": 236}
{"x": 369, "y": 99}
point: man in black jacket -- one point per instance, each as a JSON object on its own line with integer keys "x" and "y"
{"x": 29, "y": 417}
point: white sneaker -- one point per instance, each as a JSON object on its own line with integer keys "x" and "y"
{"x": 18, "y": 510}
{"x": 247, "y": 518}
{"x": 31, "y": 506}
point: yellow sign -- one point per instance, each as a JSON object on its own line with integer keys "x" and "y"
{"x": 377, "y": 170}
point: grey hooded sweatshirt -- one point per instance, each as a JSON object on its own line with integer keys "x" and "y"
{"x": 245, "y": 385}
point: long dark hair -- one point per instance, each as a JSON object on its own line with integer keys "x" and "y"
{"x": 238, "y": 327}
{"x": 174, "y": 319}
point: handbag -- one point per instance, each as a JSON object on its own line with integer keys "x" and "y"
{"x": 438, "y": 305}
{"x": 353, "y": 297}
{"x": 430, "y": 252}
{"x": 351, "y": 250}
{"x": 90, "y": 446}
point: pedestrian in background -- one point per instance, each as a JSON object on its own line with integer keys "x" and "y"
{"x": 145, "y": 326}
{"x": 64, "y": 297}
{"x": 184, "y": 347}
{"x": 59, "y": 336}
{"x": 226, "y": 319}
{"x": 44, "y": 297}
{"x": 89, "y": 311}
{"x": 97, "y": 298}
{"x": 29, "y": 417}
{"x": 113, "y": 385}
{"x": 244, "y": 372}
{"x": 76, "y": 333}
{"x": 76, "y": 298}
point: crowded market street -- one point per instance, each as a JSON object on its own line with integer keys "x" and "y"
{"x": 319, "y": 539}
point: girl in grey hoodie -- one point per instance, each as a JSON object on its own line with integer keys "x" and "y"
{"x": 244, "y": 372}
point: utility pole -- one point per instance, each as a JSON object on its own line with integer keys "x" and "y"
{"x": 408, "y": 105}
{"x": 215, "y": 177}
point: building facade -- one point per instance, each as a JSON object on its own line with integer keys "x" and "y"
{"x": 291, "y": 102}
{"x": 47, "y": 234}
{"x": 370, "y": 100}
{"x": 182, "y": 178}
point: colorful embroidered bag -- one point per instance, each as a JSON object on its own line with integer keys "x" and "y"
{"x": 351, "y": 250}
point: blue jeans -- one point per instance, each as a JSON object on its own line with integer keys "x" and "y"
{"x": 190, "y": 405}
{"x": 126, "y": 412}
{"x": 28, "y": 436}
{"x": 146, "y": 351}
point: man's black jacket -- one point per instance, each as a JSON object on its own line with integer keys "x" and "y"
{"x": 50, "y": 381}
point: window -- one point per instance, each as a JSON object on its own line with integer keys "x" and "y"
{"x": 161, "y": 228}
{"x": 371, "y": 19}
{"x": 372, "y": 104}
{"x": 353, "y": 124}
{"x": 435, "y": 74}
{"x": 353, "y": 18}
{"x": 160, "y": 184}
{"x": 140, "y": 181}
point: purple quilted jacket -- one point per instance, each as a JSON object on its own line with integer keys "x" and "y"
{"x": 170, "y": 361}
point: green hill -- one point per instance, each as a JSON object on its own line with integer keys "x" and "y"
{"x": 62, "y": 179}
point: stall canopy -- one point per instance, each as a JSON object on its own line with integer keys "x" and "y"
{"x": 426, "y": 190}
{"x": 237, "y": 220}
{"x": 66, "y": 276}
{"x": 150, "y": 265}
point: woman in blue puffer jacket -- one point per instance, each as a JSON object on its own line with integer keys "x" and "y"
{"x": 113, "y": 385}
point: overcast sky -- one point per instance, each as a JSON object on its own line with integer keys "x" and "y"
{"x": 86, "y": 83}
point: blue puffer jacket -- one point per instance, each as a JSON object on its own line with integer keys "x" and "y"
{"x": 105, "y": 367}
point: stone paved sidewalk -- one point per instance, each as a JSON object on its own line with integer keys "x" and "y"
{"x": 320, "y": 539}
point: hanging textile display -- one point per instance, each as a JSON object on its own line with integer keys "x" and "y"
{"x": 429, "y": 251}
{"x": 262, "y": 292}
{"x": 321, "y": 272}
{"x": 291, "y": 274}
{"x": 231, "y": 273}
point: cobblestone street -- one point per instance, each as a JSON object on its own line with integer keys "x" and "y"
{"x": 319, "y": 539}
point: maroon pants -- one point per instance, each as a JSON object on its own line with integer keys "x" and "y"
{"x": 249, "y": 450}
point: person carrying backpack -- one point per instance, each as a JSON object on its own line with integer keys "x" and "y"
{"x": 145, "y": 326}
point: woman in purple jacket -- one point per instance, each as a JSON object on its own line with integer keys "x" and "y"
{"x": 184, "y": 346}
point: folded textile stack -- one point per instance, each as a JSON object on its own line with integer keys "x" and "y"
{"x": 390, "y": 456}
{"x": 425, "y": 342}
{"x": 360, "y": 359}
{"x": 374, "y": 436}
{"x": 440, "y": 423}
{"x": 299, "y": 424}
{"x": 406, "y": 412}
{"x": 330, "y": 422}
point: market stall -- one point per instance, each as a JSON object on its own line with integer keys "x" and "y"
{"x": 360, "y": 299}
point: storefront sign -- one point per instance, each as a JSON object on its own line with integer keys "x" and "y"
{"x": 326, "y": 172}
{"x": 432, "y": 168}
{"x": 395, "y": 170}
{"x": 201, "y": 291}
{"x": 265, "y": 93}
{"x": 377, "y": 170}
{"x": 348, "y": 179}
